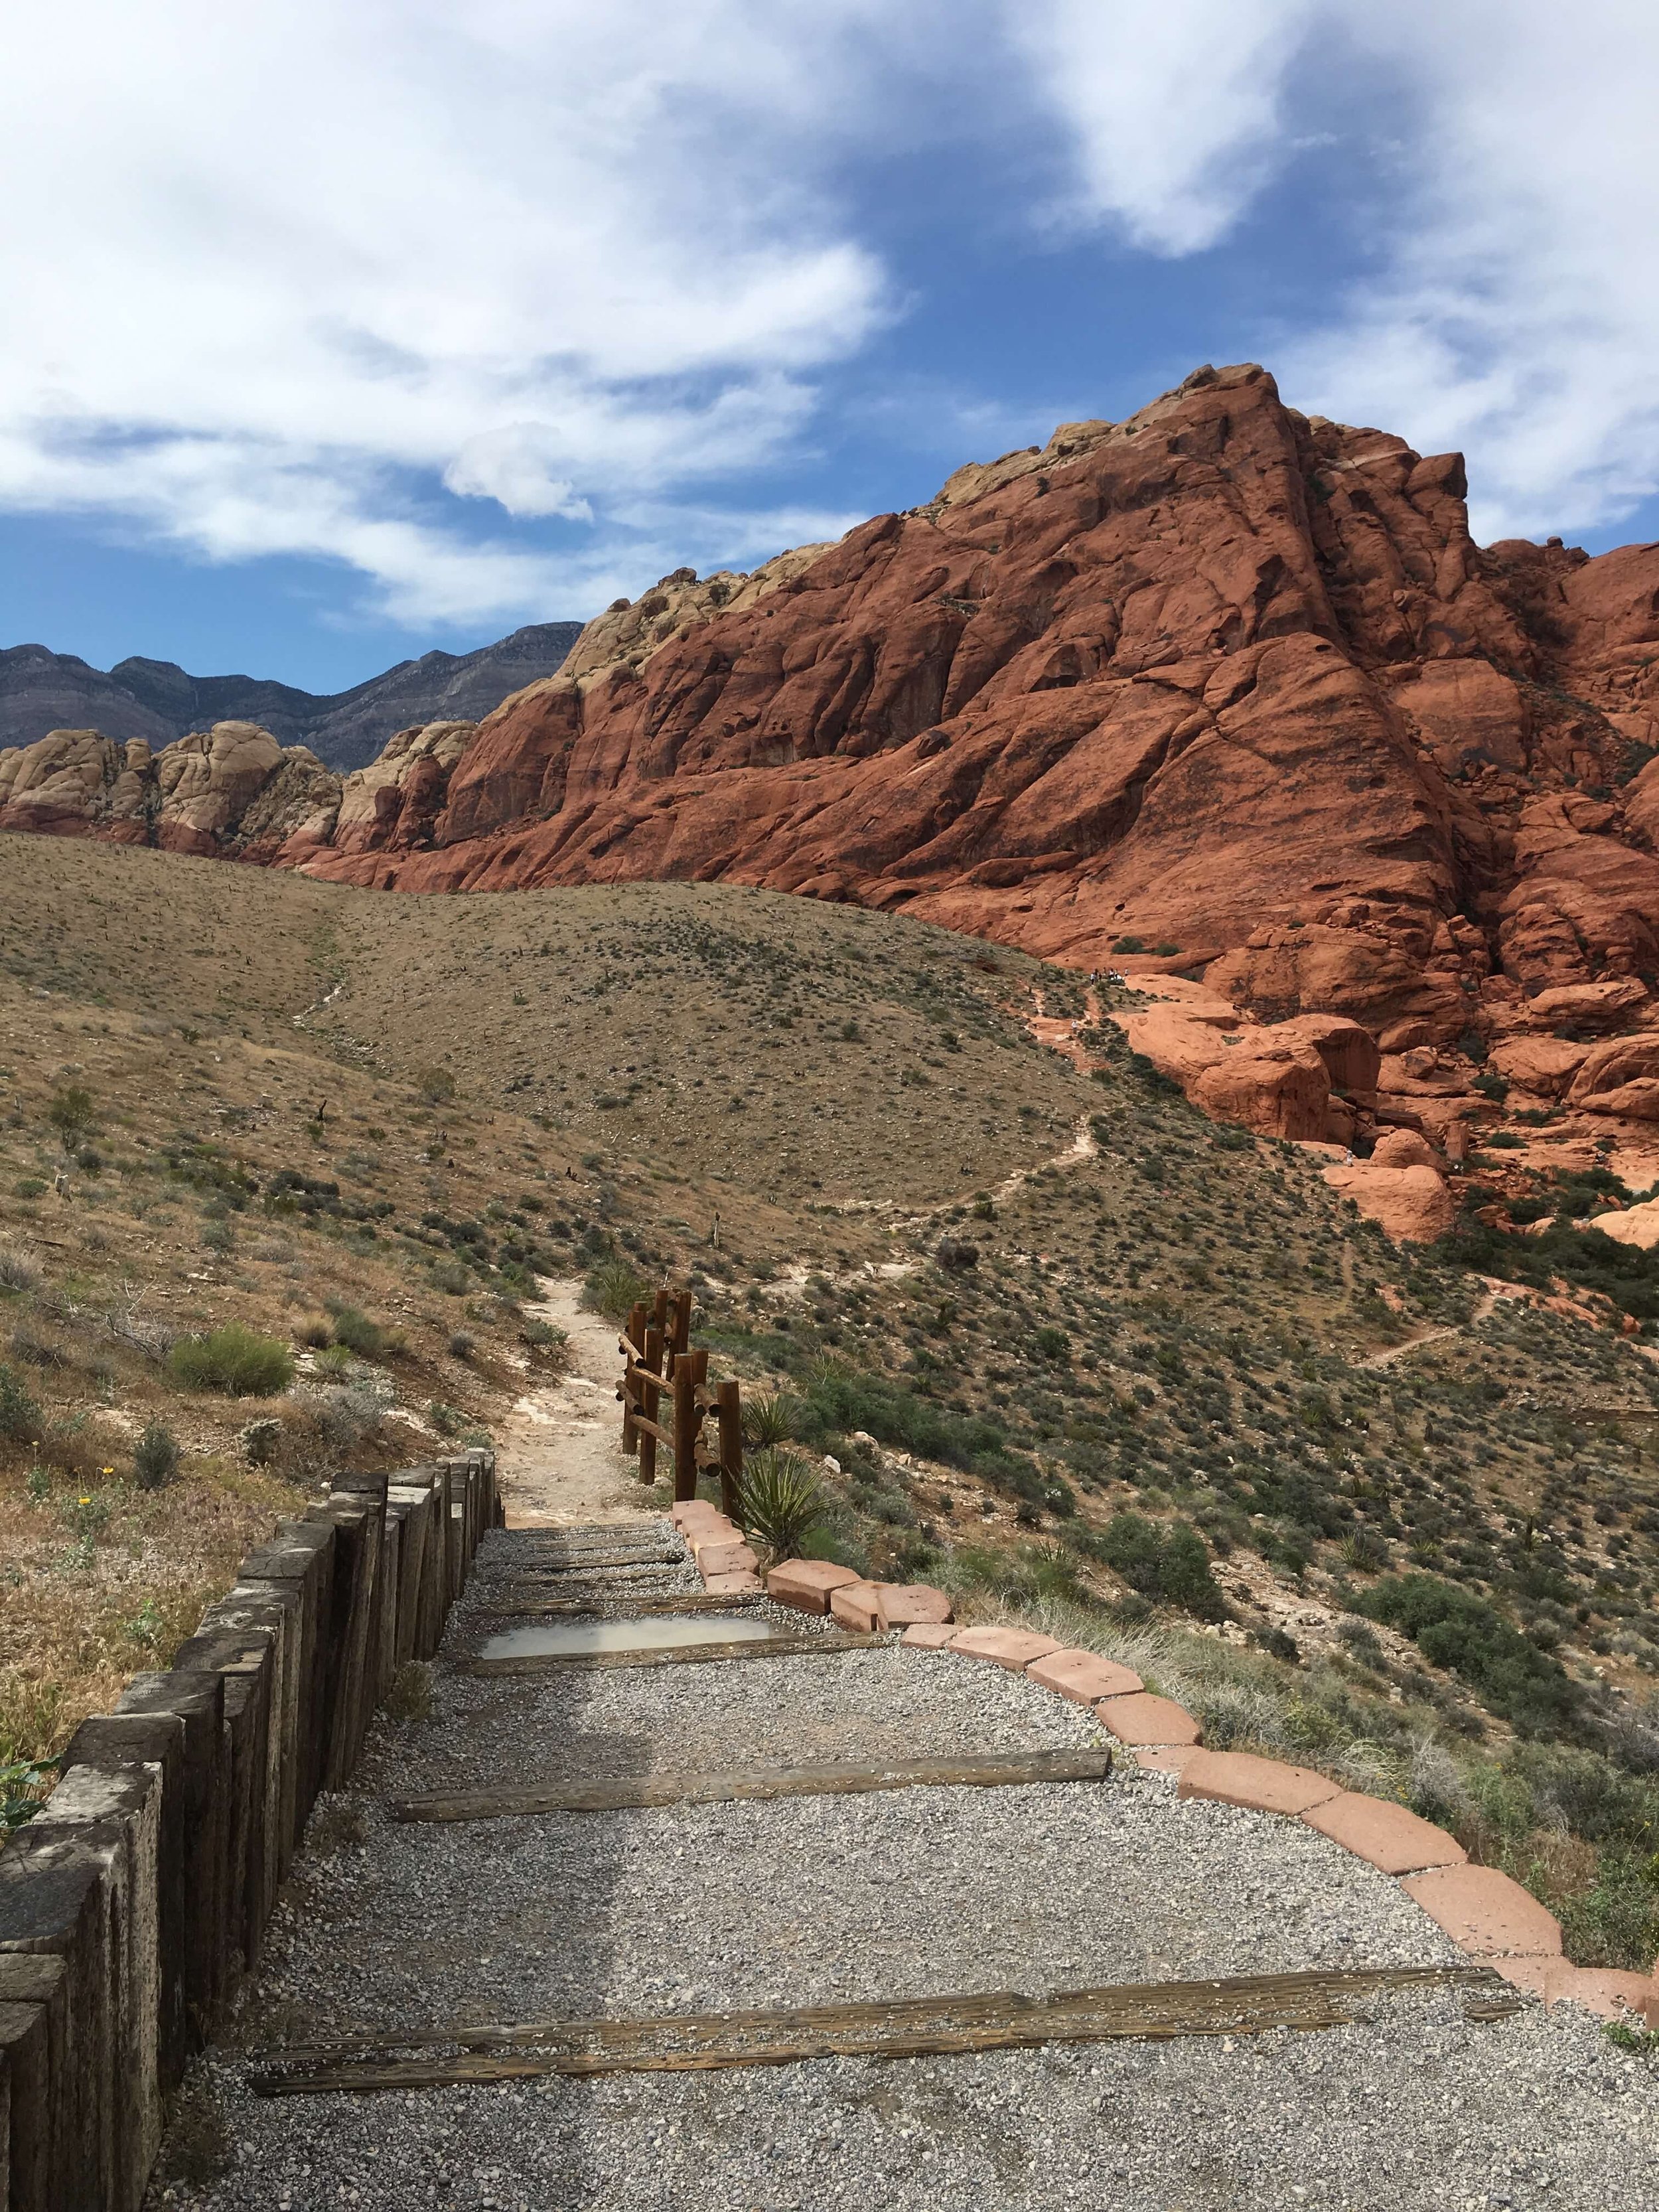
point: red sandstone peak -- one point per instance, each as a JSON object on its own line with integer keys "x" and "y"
{"x": 1222, "y": 679}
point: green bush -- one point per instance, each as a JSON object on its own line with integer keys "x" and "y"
{"x": 70, "y": 1113}
{"x": 156, "y": 1456}
{"x": 612, "y": 1289}
{"x": 232, "y": 1359}
{"x": 1166, "y": 1562}
{"x": 359, "y": 1334}
{"x": 20, "y": 1417}
{"x": 1454, "y": 1629}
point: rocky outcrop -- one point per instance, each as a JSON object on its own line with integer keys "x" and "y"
{"x": 1399, "y": 1187}
{"x": 230, "y": 792}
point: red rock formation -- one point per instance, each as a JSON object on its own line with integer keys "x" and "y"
{"x": 1222, "y": 681}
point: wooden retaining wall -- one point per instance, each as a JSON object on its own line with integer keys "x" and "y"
{"x": 133, "y": 1902}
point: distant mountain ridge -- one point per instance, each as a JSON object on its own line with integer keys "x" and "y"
{"x": 41, "y": 690}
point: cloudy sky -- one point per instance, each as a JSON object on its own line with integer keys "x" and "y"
{"x": 335, "y": 333}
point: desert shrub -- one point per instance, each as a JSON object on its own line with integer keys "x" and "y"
{"x": 436, "y": 1086}
{"x": 70, "y": 1112}
{"x": 769, "y": 1418}
{"x": 315, "y": 1331}
{"x": 410, "y": 1697}
{"x": 359, "y": 1334}
{"x": 1454, "y": 1629}
{"x": 451, "y": 1277}
{"x": 262, "y": 1443}
{"x": 343, "y": 1416}
{"x": 543, "y": 1335}
{"x": 233, "y": 1359}
{"x": 156, "y": 1456}
{"x": 461, "y": 1346}
{"x": 611, "y": 1288}
{"x": 19, "y": 1416}
{"x": 781, "y": 1501}
{"x": 1167, "y": 1563}
{"x": 448, "y": 1420}
{"x": 17, "y": 1271}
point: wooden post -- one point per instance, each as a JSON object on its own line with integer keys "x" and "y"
{"x": 731, "y": 1418}
{"x": 659, "y": 1312}
{"x": 685, "y": 1430}
{"x": 631, "y": 1385}
{"x": 683, "y": 1317}
{"x": 650, "y": 1405}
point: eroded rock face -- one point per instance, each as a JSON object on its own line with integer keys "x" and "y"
{"x": 1222, "y": 683}
{"x": 231, "y": 791}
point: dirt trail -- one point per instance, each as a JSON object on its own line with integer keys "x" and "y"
{"x": 559, "y": 1452}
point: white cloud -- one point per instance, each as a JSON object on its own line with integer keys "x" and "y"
{"x": 1175, "y": 109}
{"x": 268, "y": 271}
{"x": 385, "y": 284}
{"x": 1507, "y": 305}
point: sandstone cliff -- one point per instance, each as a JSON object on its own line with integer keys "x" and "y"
{"x": 1221, "y": 690}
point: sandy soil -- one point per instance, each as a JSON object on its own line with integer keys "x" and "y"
{"x": 559, "y": 1451}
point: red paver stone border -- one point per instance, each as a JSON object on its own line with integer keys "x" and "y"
{"x": 855, "y": 1605}
{"x": 717, "y": 1530}
{"x": 1486, "y": 1913}
{"x": 696, "y": 1513}
{"x": 724, "y": 1558}
{"x": 1144, "y": 1719}
{"x": 1260, "y": 1785}
{"x": 1167, "y": 1758}
{"x": 1606, "y": 1992}
{"x": 741, "y": 1582}
{"x": 1385, "y": 1835}
{"x": 806, "y": 1584}
{"x": 928, "y": 1635}
{"x": 1084, "y": 1676}
{"x": 898, "y": 1604}
{"x": 1012, "y": 1647}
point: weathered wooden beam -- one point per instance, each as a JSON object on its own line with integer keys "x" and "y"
{"x": 645, "y": 1607}
{"x": 912, "y": 2028}
{"x": 834, "y": 1779}
{"x": 690, "y": 1655}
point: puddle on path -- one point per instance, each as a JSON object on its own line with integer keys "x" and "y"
{"x": 569, "y": 1638}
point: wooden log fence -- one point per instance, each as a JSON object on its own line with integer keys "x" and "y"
{"x": 662, "y": 1369}
{"x": 140, "y": 1894}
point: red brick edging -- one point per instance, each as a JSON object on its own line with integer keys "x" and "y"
{"x": 1482, "y": 1911}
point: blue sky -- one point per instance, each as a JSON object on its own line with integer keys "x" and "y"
{"x": 350, "y": 333}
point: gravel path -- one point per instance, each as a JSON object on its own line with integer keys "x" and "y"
{"x": 914, "y": 1892}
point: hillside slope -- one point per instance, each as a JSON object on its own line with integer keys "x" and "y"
{"x": 1073, "y": 1349}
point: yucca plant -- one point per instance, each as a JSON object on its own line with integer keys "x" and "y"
{"x": 781, "y": 1501}
{"x": 611, "y": 1288}
{"x": 770, "y": 1417}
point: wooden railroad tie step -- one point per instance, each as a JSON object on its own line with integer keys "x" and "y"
{"x": 839, "y": 1779}
{"x": 689, "y": 1654}
{"x": 621, "y": 1606}
{"x": 542, "y": 1568}
{"x": 1244, "y": 2004}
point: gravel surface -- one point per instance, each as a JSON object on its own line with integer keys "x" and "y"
{"x": 1420, "y": 2112}
{"x": 914, "y": 1892}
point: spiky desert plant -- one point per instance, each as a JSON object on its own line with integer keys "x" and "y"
{"x": 770, "y": 1417}
{"x": 156, "y": 1456}
{"x": 781, "y": 1501}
